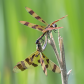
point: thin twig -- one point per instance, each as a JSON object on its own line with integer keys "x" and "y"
{"x": 52, "y": 43}
{"x": 63, "y": 63}
{"x": 61, "y": 58}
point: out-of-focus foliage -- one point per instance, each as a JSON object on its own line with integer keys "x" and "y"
{"x": 18, "y": 41}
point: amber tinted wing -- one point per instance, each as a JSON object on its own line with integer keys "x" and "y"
{"x": 35, "y": 15}
{"x": 34, "y": 60}
{"x": 51, "y": 28}
{"x": 58, "y": 20}
{"x": 43, "y": 64}
{"x": 29, "y": 61}
{"x": 50, "y": 65}
{"x": 34, "y": 26}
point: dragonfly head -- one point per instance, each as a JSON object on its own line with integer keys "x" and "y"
{"x": 53, "y": 25}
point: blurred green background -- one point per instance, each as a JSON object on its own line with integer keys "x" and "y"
{"x": 18, "y": 41}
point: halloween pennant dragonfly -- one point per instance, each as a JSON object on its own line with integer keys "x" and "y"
{"x": 36, "y": 59}
{"x": 43, "y": 29}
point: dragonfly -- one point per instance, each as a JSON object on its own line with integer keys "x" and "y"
{"x": 43, "y": 29}
{"x": 35, "y": 59}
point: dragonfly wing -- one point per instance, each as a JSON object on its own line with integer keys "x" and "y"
{"x": 43, "y": 64}
{"x": 50, "y": 65}
{"x": 31, "y": 12}
{"x": 34, "y": 60}
{"x": 29, "y": 61}
{"x": 34, "y": 26}
{"x": 58, "y": 20}
{"x": 51, "y": 28}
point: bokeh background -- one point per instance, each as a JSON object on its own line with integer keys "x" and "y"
{"x": 18, "y": 41}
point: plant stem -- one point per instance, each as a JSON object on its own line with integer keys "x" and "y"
{"x": 61, "y": 58}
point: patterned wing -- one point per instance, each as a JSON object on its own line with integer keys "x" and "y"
{"x": 43, "y": 64}
{"x": 50, "y": 65}
{"x": 34, "y": 26}
{"x": 58, "y": 20}
{"x": 35, "y": 15}
{"x": 34, "y": 60}
{"x": 51, "y": 28}
{"x": 29, "y": 61}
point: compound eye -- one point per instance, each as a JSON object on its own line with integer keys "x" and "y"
{"x": 54, "y": 25}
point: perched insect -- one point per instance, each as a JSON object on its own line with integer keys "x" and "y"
{"x": 44, "y": 29}
{"x": 34, "y": 60}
